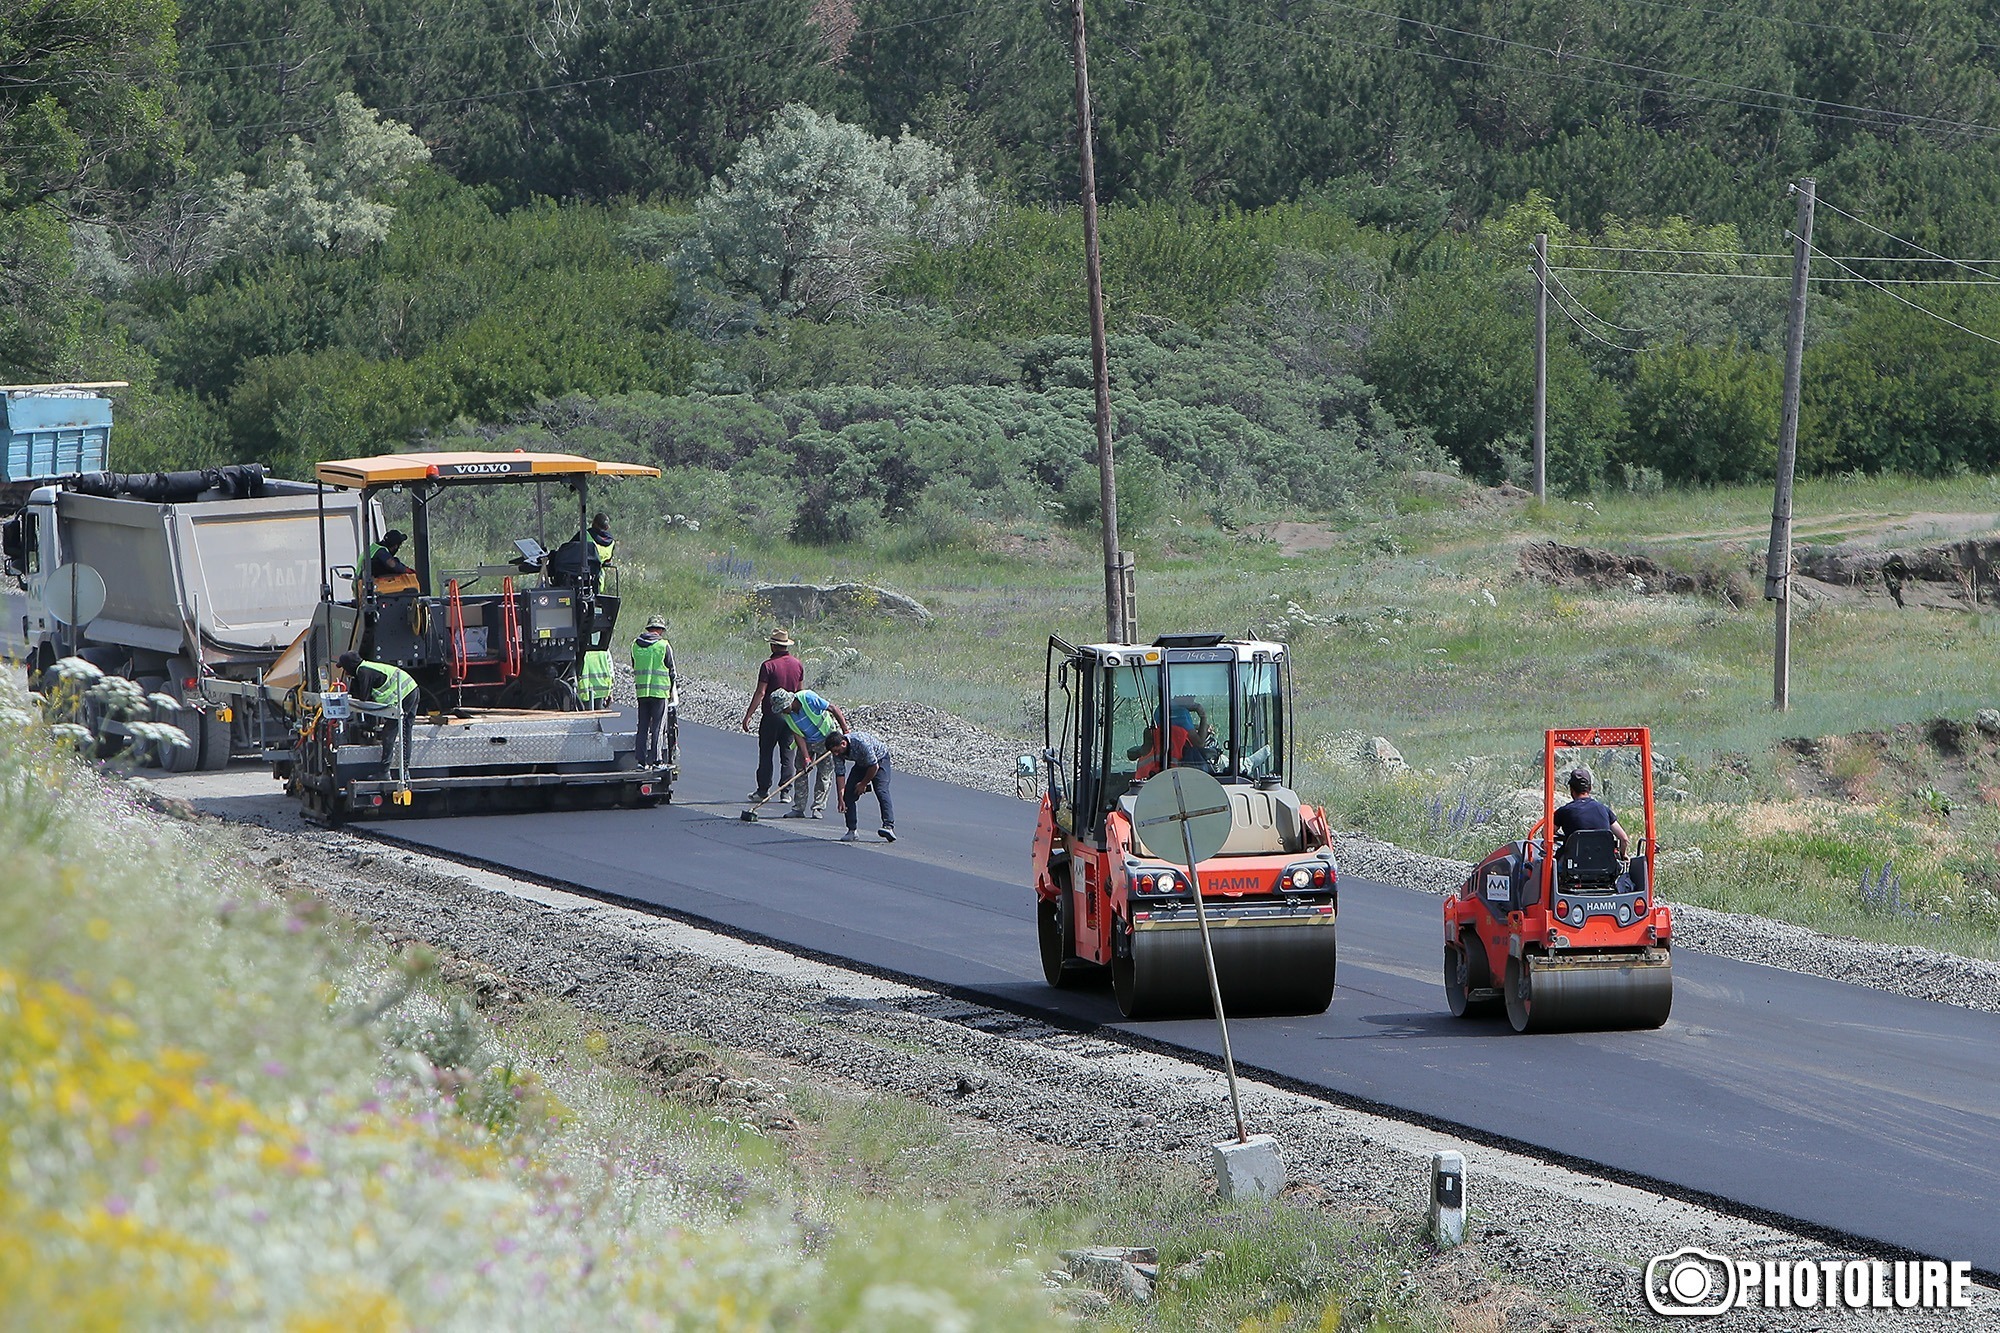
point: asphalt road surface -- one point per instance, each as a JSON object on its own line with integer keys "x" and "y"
{"x": 1837, "y": 1107}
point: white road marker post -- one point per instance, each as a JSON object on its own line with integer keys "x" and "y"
{"x": 1250, "y": 1168}
{"x": 1448, "y": 1198}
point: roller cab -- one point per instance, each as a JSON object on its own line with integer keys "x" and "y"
{"x": 1107, "y": 902}
{"x": 1562, "y": 933}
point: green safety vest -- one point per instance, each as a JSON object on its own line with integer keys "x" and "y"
{"x": 821, "y": 719}
{"x": 595, "y": 682}
{"x": 650, "y": 677}
{"x": 604, "y": 550}
{"x": 398, "y": 683}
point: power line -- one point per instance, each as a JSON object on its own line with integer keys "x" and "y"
{"x": 1639, "y": 250}
{"x": 1618, "y": 328}
{"x": 1616, "y": 347}
{"x": 1903, "y": 300}
{"x": 1792, "y": 23}
{"x": 1776, "y": 277}
{"x": 1934, "y": 255}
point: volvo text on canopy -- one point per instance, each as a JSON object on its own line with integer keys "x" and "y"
{"x": 1116, "y": 714}
{"x": 494, "y": 649}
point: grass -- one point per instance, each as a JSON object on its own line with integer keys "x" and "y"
{"x": 1415, "y": 625}
{"x": 220, "y": 1105}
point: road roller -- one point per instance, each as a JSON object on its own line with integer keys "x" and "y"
{"x": 1114, "y": 715}
{"x": 1560, "y": 930}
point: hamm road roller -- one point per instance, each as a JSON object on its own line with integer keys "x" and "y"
{"x": 1114, "y": 715}
{"x": 1560, "y": 928}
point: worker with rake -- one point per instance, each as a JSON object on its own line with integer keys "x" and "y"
{"x": 813, "y": 722}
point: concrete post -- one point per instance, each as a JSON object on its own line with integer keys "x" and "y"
{"x": 1447, "y": 1198}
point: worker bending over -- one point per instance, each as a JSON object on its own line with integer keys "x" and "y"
{"x": 384, "y": 691}
{"x": 813, "y": 722}
{"x": 869, "y": 755}
{"x": 653, "y": 684}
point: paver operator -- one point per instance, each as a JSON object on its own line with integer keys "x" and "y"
{"x": 869, "y": 755}
{"x": 653, "y": 684}
{"x": 813, "y": 721}
{"x": 781, "y": 671}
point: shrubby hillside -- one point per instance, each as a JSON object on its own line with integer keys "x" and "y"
{"x": 834, "y": 245}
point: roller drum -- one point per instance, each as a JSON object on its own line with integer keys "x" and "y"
{"x": 1264, "y": 969}
{"x": 1589, "y": 992}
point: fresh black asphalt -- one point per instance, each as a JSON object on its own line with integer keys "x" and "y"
{"x": 1839, "y": 1107}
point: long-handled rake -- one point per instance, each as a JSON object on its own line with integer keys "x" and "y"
{"x": 750, "y": 816}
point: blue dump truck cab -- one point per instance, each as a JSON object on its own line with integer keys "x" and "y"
{"x": 48, "y": 431}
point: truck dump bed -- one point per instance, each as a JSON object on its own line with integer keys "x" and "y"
{"x": 245, "y": 574}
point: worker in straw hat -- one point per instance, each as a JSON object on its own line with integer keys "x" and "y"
{"x": 782, "y": 670}
{"x": 653, "y": 684}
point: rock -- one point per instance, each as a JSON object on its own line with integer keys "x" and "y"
{"x": 970, "y": 1083}
{"x": 790, "y": 603}
{"x": 1379, "y": 752}
{"x": 1083, "y": 1302}
{"x": 1116, "y": 1271}
{"x": 1988, "y": 721}
{"x": 1194, "y": 1267}
{"x": 1673, "y": 795}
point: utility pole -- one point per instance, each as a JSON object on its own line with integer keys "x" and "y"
{"x": 1542, "y": 366}
{"x": 1120, "y": 624}
{"x": 1778, "y": 569}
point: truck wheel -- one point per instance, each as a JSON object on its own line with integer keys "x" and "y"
{"x": 215, "y": 741}
{"x": 184, "y": 758}
{"x": 1465, "y": 971}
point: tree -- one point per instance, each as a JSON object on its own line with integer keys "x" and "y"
{"x": 815, "y": 209}
{"x": 327, "y": 195}
{"x": 1705, "y": 414}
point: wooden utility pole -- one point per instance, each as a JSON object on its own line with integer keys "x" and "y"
{"x": 1778, "y": 568}
{"x": 1120, "y": 624}
{"x": 1542, "y": 366}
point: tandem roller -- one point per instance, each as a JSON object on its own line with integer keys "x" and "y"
{"x": 1564, "y": 930}
{"x": 1265, "y": 966}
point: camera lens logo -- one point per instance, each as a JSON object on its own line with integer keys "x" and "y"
{"x": 1690, "y": 1282}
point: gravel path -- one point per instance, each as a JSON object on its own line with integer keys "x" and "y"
{"x": 1900, "y": 969}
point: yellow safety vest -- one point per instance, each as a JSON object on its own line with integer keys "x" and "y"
{"x": 651, "y": 678}
{"x": 604, "y": 550}
{"x": 397, "y": 683}
{"x": 816, "y": 714}
{"x": 595, "y": 682}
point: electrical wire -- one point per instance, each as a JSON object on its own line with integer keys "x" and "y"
{"x": 1910, "y": 38}
{"x": 1903, "y": 300}
{"x": 1557, "y": 302}
{"x": 1969, "y": 266}
{"x": 1638, "y": 250}
{"x": 1670, "y": 273}
{"x": 1616, "y": 328}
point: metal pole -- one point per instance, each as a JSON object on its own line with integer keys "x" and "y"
{"x": 1116, "y": 622}
{"x": 1208, "y": 957}
{"x": 1542, "y": 366}
{"x": 1778, "y": 569}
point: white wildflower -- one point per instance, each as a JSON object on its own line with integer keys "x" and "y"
{"x": 1487, "y": 593}
{"x": 71, "y": 733}
{"x": 76, "y": 669}
{"x": 163, "y": 703}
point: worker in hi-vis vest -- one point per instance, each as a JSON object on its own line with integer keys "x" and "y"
{"x": 593, "y": 686}
{"x": 600, "y": 538}
{"x": 653, "y": 683}
{"x": 812, "y": 720}
{"x": 384, "y": 690}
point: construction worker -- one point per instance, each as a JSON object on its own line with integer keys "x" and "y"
{"x": 388, "y": 573}
{"x": 781, "y": 671}
{"x": 869, "y": 754}
{"x": 653, "y": 683}
{"x": 385, "y": 691}
{"x": 600, "y": 537}
{"x": 1584, "y": 811}
{"x": 812, "y": 721}
{"x": 593, "y": 685}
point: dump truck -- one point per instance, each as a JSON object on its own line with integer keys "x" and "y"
{"x": 51, "y": 431}
{"x": 210, "y": 577}
{"x": 1562, "y": 932}
{"x": 1114, "y": 715}
{"x": 495, "y": 650}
